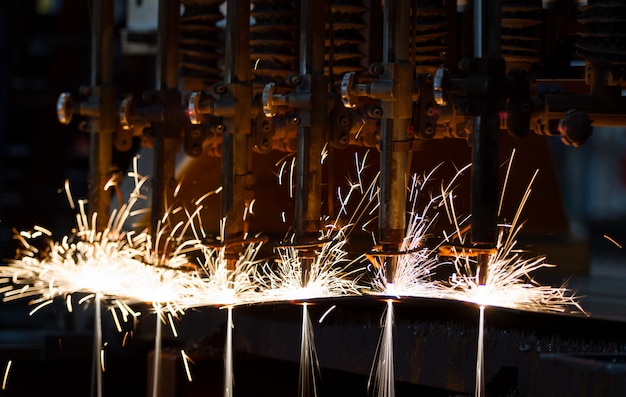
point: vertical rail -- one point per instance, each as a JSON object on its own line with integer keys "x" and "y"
{"x": 166, "y": 131}
{"x": 101, "y": 140}
{"x": 235, "y": 144}
{"x": 394, "y": 159}
{"x": 486, "y": 131}
{"x": 312, "y": 131}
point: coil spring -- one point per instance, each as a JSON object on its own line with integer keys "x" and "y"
{"x": 344, "y": 39}
{"x": 521, "y": 33}
{"x": 200, "y": 44}
{"x": 273, "y": 41}
{"x": 428, "y": 48}
{"x": 604, "y": 38}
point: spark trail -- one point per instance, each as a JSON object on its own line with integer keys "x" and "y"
{"x": 309, "y": 366}
{"x": 509, "y": 282}
{"x": 480, "y": 355}
{"x": 383, "y": 368}
{"x": 415, "y": 267}
{"x": 417, "y": 263}
{"x": 113, "y": 266}
{"x": 228, "y": 355}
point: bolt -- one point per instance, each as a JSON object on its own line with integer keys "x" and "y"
{"x": 293, "y": 79}
{"x": 294, "y": 120}
{"x": 575, "y": 127}
{"x": 220, "y": 88}
{"x": 377, "y": 69}
{"x": 375, "y": 112}
{"x": 342, "y": 121}
{"x": 429, "y": 130}
{"x": 149, "y": 132}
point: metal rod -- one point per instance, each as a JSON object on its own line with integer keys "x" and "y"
{"x": 394, "y": 161}
{"x": 101, "y": 140}
{"x": 235, "y": 143}
{"x": 486, "y": 134}
{"x": 165, "y": 145}
{"x": 312, "y": 132}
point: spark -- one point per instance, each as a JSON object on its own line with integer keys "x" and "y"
{"x": 170, "y": 320}
{"x": 125, "y": 338}
{"x": 618, "y": 245}
{"x": 382, "y": 371}
{"x": 480, "y": 356}
{"x": 331, "y": 272}
{"x": 6, "y": 374}
{"x": 324, "y": 154}
{"x": 43, "y": 230}
{"x": 309, "y": 365}
{"x": 228, "y": 355}
{"x": 417, "y": 263}
{"x": 219, "y": 285}
{"x": 360, "y": 167}
{"x": 281, "y": 171}
{"x": 186, "y": 361}
{"x": 68, "y": 301}
{"x": 36, "y": 309}
{"x": 326, "y": 313}
{"x": 116, "y": 320}
{"x": 363, "y": 122}
{"x": 68, "y": 193}
{"x": 506, "y": 180}
{"x": 509, "y": 282}
{"x": 113, "y": 264}
{"x": 291, "y": 177}
{"x": 206, "y": 195}
{"x": 102, "y": 367}
{"x": 328, "y": 276}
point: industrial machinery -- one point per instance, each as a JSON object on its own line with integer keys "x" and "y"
{"x": 243, "y": 80}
